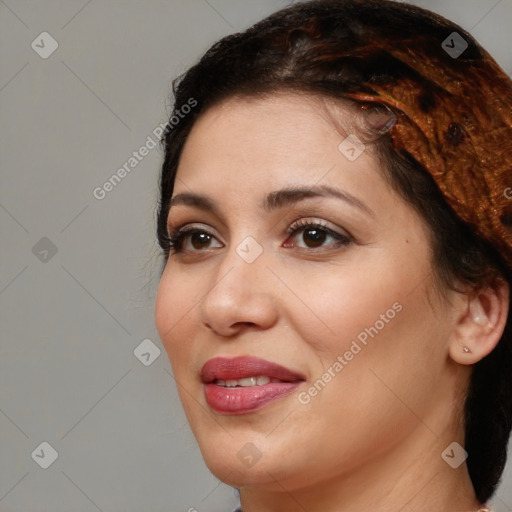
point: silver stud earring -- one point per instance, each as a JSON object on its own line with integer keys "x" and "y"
{"x": 466, "y": 349}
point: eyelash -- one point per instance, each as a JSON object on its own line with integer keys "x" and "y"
{"x": 176, "y": 237}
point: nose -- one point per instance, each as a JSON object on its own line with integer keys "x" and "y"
{"x": 240, "y": 296}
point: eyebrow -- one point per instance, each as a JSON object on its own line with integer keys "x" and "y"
{"x": 277, "y": 199}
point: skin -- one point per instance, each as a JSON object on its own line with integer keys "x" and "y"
{"x": 372, "y": 438}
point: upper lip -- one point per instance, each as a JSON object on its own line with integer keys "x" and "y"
{"x": 224, "y": 368}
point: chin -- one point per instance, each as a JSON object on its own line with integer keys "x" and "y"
{"x": 239, "y": 458}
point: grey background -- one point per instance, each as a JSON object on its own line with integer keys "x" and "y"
{"x": 71, "y": 321}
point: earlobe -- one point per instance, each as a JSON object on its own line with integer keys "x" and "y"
{"x": 480, "y": 324}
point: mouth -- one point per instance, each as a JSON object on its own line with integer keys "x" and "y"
{"x": 245, "y": 384}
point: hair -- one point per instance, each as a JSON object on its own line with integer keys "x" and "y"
{"x": 317, "y": 48}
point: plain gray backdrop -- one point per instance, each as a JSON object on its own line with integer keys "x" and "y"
{"x": 81, "y": 378}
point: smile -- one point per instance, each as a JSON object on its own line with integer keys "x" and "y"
{"x": 245, "y": 384}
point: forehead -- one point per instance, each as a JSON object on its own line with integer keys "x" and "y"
{"x": 272, "y": 140}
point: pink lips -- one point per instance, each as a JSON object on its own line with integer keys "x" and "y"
{"x": 241, "y": 400}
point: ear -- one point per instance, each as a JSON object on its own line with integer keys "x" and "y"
{"x": 481, "y": 323}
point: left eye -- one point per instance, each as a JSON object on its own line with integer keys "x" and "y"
{"x": 313, "y": 236}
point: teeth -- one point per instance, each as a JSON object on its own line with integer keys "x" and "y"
{"x": 260, "y": 380}
{"x": 247, "y": 381}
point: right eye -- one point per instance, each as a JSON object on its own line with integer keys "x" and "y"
{"x": 191, "y": 240}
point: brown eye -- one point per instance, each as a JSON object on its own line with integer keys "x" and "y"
{"x": 314, "y": 237}
{"x": 192, "y": 240}
{"x": 200, "y": 240}
{"x": 311, "y": 236}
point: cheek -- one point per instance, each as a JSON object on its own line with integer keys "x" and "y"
{"x": 387, "y": 340}
{"x": 358, "y": 391}
{"x": 174, "y": 309}
{"x": 377, "y": 318}
{"x": 336, "y": 303}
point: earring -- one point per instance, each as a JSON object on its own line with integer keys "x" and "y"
{"x": 466, "y": 349}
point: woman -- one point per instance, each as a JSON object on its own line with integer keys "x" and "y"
{"x": 336, "y": 221}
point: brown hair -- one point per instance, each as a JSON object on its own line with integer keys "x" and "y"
{"x": 322, "y": 47}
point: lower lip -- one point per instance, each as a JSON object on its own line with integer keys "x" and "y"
{"x": 241, "y": 400}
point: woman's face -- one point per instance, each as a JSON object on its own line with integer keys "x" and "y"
{"x": 303, "y": 256}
